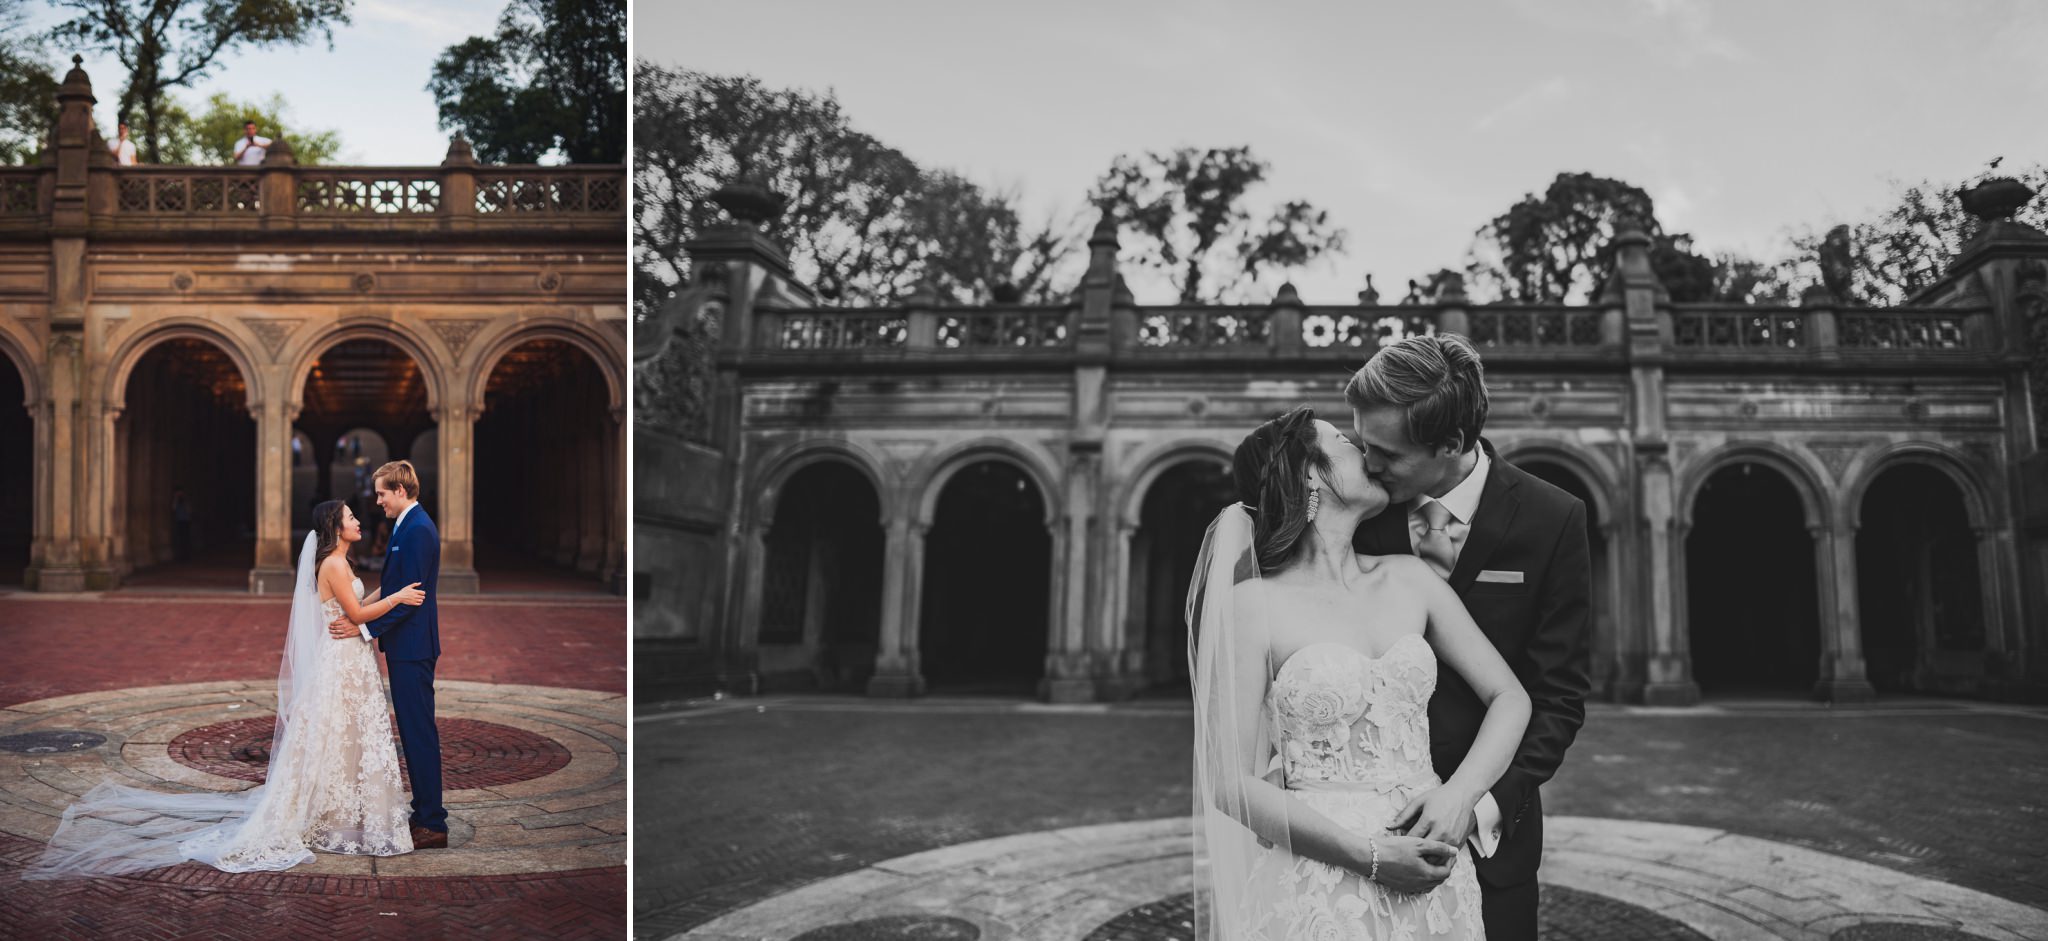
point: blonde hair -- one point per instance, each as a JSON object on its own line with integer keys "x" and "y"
{"x": 402, "y": 477}
{"x": 1436, "y": 381}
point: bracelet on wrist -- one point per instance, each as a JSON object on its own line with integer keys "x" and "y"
{"x": 1373, "y": 875}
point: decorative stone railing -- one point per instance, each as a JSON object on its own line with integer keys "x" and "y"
{"x": 1515, "y": 332}
{"x": 458, "y": 196}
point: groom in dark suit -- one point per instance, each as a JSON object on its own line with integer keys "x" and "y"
{"x": 411, "y": 639}
{"x": 1514, "y": 549}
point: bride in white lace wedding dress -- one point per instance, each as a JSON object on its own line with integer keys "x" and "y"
{"x": 333, "y": 779}
{"x": 1313, "y": 669}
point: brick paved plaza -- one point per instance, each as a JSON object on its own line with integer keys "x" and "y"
{"x": 826, "y": 818}
{"x": 180, "y": 686}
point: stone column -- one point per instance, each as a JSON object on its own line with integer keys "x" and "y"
{"x": 616, "y": 526}
{"x": 456, "y": 421}
{"x": 1842, "y": 677}
{"x": 60, "y": 569}
{"x": 1668, "y": 673}
{"x": 896, "y": 667}
{"x": 121, "y": 513}
{"x": 275, "y": 558}
{"x": 1126, "y": 661}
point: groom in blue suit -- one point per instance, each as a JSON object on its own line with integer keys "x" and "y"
{"x": 411, "y": 639}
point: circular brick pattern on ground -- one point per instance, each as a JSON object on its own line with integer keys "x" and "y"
{"x": 896, "y": 928}
{"x": 1562, "y": 915}
{"x": 474, "y": 753}
{"x": 1900, "y": 931}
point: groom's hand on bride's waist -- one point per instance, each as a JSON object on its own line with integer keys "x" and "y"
{"x": 342, "y": 629}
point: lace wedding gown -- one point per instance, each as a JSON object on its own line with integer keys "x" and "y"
{"x": 1353, "y": 743}
{"x": 346, "y": 786}
{"x": 332, "y": 784}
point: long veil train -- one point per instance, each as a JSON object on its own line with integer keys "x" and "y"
{"x": 116, "y": 828}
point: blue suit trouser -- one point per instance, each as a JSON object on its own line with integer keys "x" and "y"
{"x": 412, "y": 697}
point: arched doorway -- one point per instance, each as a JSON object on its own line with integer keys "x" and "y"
{"x": 363, "y": 401}
{"x": 17, "y": 474}
{"x": 1752, "y": 605}
{"x": 1606, "y": 648}
{"x": 821, "y": 595}
{"x": 1917, "y": 577}
{"x": 1176, "y": 513}
{"x": 988, "y": 571}
{"x": 188, "y": 443}
{"x": 305, "y": 486}
{"x": 545, "y": 517}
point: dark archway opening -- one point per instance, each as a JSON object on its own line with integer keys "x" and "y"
{"x": 365, "y": 401}
{"x": 1751, "y": 601}
{"x": 1177, "y": 511}
{"x": 544, "y": 473}
{"x": 1608, "y": 666}
{"x": 821, "y": 594}
{"x": 988, "y": 570}
{"x": 1922, "y": 604}
{"x": 17, "y": 474}
{"x": 189, "y": 470}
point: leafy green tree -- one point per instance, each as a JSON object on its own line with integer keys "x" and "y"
{"x": 1188, "y": 214}
{"x": 1907, "y": 247}
{"x": 551, "y": 79}
{"x": 166, "y": 44}
{"x": 862, "y": 222}
{"x": 28, "y": 88}
{"x": 210, "y": 137}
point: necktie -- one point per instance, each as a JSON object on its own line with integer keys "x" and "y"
{"x": 1435, "y": 545}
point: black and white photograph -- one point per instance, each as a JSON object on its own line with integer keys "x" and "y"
{"x": 1515, "y": 469}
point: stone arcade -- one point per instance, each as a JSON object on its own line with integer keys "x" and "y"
{"x": 1816, "y": 498}
{"x": 258, "y": 337}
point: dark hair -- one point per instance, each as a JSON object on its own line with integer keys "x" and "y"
{"x": 1437, "y": 383}
{"x": 327, "y": 527}
{"x": 1270, "y": 469}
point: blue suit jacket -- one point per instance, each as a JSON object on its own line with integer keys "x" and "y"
{"x": 414, "y": 555}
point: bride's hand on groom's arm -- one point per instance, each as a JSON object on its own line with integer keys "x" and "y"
{"x": 1442, "y": 813}
{"x": 411, "y": 594}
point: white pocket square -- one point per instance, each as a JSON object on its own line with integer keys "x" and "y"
{"x": 1503, "y": 578}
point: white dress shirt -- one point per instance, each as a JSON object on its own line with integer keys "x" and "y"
{"x": 249, "y": 152}
{"x": 1463, "y": 502}
{"x": 365, "y": 628}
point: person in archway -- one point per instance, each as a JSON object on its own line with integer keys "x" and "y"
{"x": 411, "y": 640}
{"x": 1514, "y": 549}
{"x": 181, "y": 525}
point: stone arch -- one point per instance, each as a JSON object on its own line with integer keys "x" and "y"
{"x": 131, "y": 351}
{"x": 582, "y": 336}
{"x": 951, "y": 460}
{"x": 777, "y": 469}
{"x": 1587, "y": 465}
{"x": 1157, "y": 461}
{"x": 305, "y": 353}
{"x": 1956, "y": 467}
{"x": 1806, "y": 478}
{"x": 31, "y": 378}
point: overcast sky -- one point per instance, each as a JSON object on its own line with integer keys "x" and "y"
{"x": 1414, "y": 123}
{"x": 371, "y": 87}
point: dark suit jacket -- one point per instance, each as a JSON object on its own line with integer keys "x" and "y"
{"x": 411, "y": 632}
{"x": 1541, "y": 628}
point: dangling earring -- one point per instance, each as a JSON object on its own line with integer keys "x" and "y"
{"x": 1315, "y": 501}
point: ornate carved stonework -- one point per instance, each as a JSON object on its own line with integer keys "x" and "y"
{"x": 550, "y": 281}
{"x": 456, "y": 333}
{"x": 182, "y": 281}
{"x": 905, "y": 452}
{"x": 365, "y": 282}
{"x": 273, "y": 333}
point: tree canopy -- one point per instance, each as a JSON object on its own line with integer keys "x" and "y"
{"x": 166, "y": 44}
{"x": 552, "y": 79}
{"x": 1560, "y": 246}
{"x": 862, "y": 222}
{"x": 210, "y": 137}
{"x": 1185, "y": 213}
{"x": 1905, "y": 248}
{"x": 28, "y": 89}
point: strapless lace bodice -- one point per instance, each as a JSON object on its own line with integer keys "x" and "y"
{"x": 1352, "y": 742}
{"x": 332, "y": 606}
{"x": 1345, "y": 718}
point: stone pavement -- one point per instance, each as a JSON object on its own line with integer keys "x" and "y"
{"x": 535, "y": 770}
{"x": 1913, "y": 819}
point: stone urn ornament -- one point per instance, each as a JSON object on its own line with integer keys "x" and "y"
{"x": 1995, "y": 199}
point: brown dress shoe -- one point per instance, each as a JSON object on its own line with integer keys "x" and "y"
{"x": 425, "y": 839}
